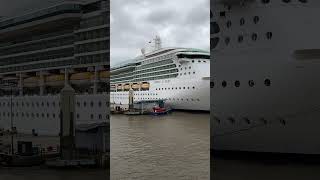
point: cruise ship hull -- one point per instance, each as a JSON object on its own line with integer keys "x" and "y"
{"x": 191, "y": 94}
{"x": 281, "y": 116}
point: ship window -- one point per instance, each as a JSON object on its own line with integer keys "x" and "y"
{"x": 256, "y": 19}
{"x": 224, "y": 83}
{"x": 265, "y": 1}
{"x": 237, "y": 83}
{"x": 267, "y": 82}
{"x": 269, "y": 35}
{"x": 286, "y": 1}
{"x": 214, "y": 42}
{"x": 91, "y": 116}
{"x": 232, "y": 120}
{"x": 193, "y": 87}
{"x": 254, "y": 36}
{"x": 251, "y": 83}
{"x": 242, "y": 21}
{"x": 214, "y": 29}
{"x": 229, "y": 24}
{"x": 227, "y": 40}
{"x": 222, "y": 14}
{"x": 192, "y": 61}
{"x": 78, "y": 116}
{"x": 303, "y": 1}
{"x": 240, "y": 38}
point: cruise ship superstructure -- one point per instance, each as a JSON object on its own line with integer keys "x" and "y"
{"x": 181, "y": 76}
{"x": 41, "y": 51}
{"x": 264, "y": 76}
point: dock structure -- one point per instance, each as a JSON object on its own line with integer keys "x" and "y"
{"x": 82, "y": 144}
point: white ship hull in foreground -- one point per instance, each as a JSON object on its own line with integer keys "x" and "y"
{"x": 265, "y": 91}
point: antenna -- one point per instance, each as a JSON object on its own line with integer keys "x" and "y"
{"x": 157, "y": 43}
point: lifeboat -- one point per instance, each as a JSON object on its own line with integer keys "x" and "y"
{"x": 82, "y": 78}
{"x": 31, "y": 82}
{"x": 135, "y": 86}
{"x": 127, "y": 87}
{"x": 104, "y": 75}
{"x": 119, "y": 87}
{"x": 55, "y": 80}
{"x": 145, "y": 85}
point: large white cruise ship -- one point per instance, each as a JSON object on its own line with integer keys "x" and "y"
{"x": 40, "y": 52}
{"x": 179, "y": 75}
{"x": 265, "y": 91}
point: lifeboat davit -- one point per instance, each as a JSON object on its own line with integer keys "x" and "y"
{"x": 55, "y": 80}
{"x": 31, "y": 82}
{"x": 82, "y": 78}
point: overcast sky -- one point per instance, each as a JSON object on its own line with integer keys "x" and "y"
{"x": 180, "y": 23}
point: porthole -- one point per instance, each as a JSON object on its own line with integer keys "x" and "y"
{"x": 224, "y": 84}
{"x": 217, "y": 119}
{"x": 251, "y": 83}
{"x": 214, "y": 42}
{"x": 247, "y": 120}
{"x": 269, "y": 35}
{"x": 214, "y": 29}
{"x": 242, "y": 21}
{"x": 267, "y": 82}
{"x": 232, "y": 120}
{"x": 282, "y": 121}
{"x": 222, "y": 14}
{"x": 237, "y": 83}
{"x": 240, "y": 38}
{"x": 254, "y": 36}
{"x": 227, "y": 40}
{"x": 229, "y": 24}
{"x": 256, "y": 19}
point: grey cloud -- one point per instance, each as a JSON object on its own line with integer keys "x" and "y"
{"x": 180, "y": 23}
